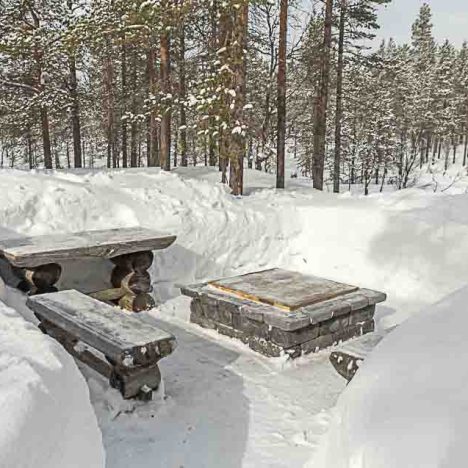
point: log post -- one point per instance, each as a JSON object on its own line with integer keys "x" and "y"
{"x": 130, "y": 274}
{"x": 39, "y": 280}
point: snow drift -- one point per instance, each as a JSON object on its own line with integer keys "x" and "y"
{"x": 46, "y": 417}
{"x": 407, "y": 405}
{"x": 411, "y": 244}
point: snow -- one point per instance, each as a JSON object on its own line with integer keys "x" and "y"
{"x": 220, "y": 400}
{"x": 47, "y": 419}
{"x": 407, "y": 405}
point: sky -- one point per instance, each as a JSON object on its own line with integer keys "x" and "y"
{"x": 450, "y": 19}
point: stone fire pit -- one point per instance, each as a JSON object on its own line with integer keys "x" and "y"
{"x": 278, "y": 311}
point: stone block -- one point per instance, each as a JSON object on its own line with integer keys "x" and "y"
{"x": 363, "y": 315}
{"x": 215, "y": 310}
{"x": 317, "y": 344}
{"x": 197, "y": 316}
{"x": 326, "y": 310}
{"x": 334, "y": 325}
{"x": 373, "y": 296}
{"x": 265, "y": 347}
{"x": 232, "y": 333}
{"x": 251, "y": 327}
{"x": 288, "y": 321}
{"x": 356, "y": 300}
{"x": 287, "y": 339}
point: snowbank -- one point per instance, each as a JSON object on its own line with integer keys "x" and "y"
{"x": 407, "y": 405}
{"x": 46, "y": 417}
{"x": 411, "y": 244}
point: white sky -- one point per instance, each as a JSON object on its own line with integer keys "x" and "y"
{"x": 450, "y": 19}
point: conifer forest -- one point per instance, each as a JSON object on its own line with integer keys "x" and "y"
{"x": 232, "y": 84}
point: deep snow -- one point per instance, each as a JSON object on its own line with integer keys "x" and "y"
{"x": 407, "y": 406}
{"x": 223, "y": 402}
{"x": 46, "y": 418}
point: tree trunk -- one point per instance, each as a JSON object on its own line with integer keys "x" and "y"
{"x": 46, "y": 138}
{"x": 108, "y": 78}
{"x": 281, "y": 129}
{"x": 236, "y": 139}
{"x": 339, "y": 99}
{"x": 320, "y": 126}
{"x": 165, "y": 138}
{"x": 152, "y": 137}
{"x": 75, "y": 113}
{"x": 182, "y": 98}
{"x": 124, "y": 105}
{"x": 465, "y": 150}
{"x": 134, "y": 124}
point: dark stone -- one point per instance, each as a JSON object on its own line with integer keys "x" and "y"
{"x": 232, "y": 333}
{"x": 363, "y": 315}
{"x": 334, "y": 325}
{"x": 292, "y": 338}
{"x": 197, "y": 315}
{"x": 251, "y": 327}
{"x": 265, "y": 347}
{"x": 317, "y": 344}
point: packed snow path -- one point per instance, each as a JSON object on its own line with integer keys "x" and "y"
{"x": 224, "y": 403}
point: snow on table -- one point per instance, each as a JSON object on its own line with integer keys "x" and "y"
{"x": 108, "y": 243}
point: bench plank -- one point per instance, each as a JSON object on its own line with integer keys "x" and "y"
{"x": 346, "y": 358}
{"x": 119, "y": 335}
{"x": 39, "y": 250}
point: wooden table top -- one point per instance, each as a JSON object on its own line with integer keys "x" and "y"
{"x": 53, "y": 248}
{"x": 288, "y": 290}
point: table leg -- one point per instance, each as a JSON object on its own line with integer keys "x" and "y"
{"x": 40, "y": 279}
{"x": 130, "y": 274}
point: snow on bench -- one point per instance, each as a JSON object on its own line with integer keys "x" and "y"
{"x": 115, "y": 343}
{"x": 108, "y": 243}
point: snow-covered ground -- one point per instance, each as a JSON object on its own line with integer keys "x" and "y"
{"x": 407, "y": 406}
{"x": 223, "y": 403}
{"x": 46, "y": 418}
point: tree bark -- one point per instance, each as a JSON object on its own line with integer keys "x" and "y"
{"x": 236, "y": 140}
{"x": 182, "y": 98}
{"x": 281, "y": 90}
{"x": 339, "y": 99}
{"x": 109, "y": 96}
{"x": 134, "y": 124}
{"x": 75, "y": 113}
{"x": 320, "y": 125}
{"x": 46, "y": 138}
{"x": 152, "y": 137}
{"x": 124, "y": 104}
{"x": 165, "y": 138}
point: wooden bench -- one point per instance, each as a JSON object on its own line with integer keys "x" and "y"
{"x": 347, "y": 357}
{"x": 113, "y": 342}
{"x": 35, "y": 261}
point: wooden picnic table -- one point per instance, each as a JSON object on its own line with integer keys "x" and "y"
{"x": 36, "y": 261}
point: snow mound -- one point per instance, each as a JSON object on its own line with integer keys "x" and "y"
{"x": 46, "y": 417}
{"x": 407, "y": 406}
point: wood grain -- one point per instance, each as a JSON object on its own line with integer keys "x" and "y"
{"x": 286, "y": 290}
{"x": 35, "y": 251}
{"x": 108, "y": 329}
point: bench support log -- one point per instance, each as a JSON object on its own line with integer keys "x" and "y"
{"x": 132, "y": 382}
{"x": 38, "y": 280}
{"x": 131, "y": 276}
